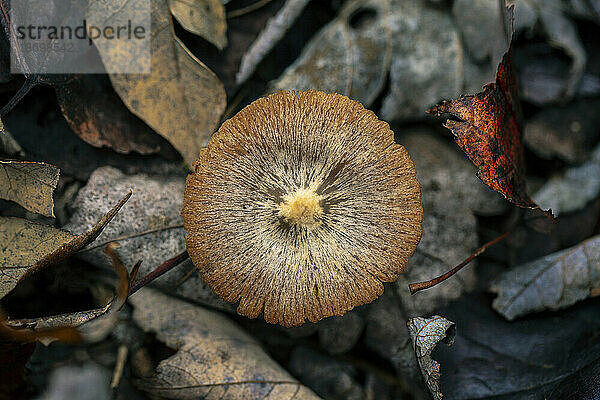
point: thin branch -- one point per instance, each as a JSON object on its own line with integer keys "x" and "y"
{"x": 248, "y": 9}
{"x": 132, "y": 235}
{"x": 159, "y": 271}
{"x": 416, "y": 287}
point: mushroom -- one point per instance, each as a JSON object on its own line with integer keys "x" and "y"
{"x": 301, "y": 206}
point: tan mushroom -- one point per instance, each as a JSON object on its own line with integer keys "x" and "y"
{"x": 301, "y": 206}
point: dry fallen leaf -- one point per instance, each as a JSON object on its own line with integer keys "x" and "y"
{"x": 489, "y": 132}
{"x": 574, "y": 189}
{"x": 26, "y": 247}
{"x": 102, "y": 119}
{"x": 426, "y": 333}
{"x": 31, "y": 184}
{"x": 90, "y": 325}
{"x": 215, "y": 358}
{"x": 205, "y": 18}
{"x": 191, "y": 99}
{"x": 416, "y": 44}
{"x": 552, "y": 282}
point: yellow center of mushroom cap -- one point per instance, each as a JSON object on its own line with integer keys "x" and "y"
{"x": 302, "y": 208}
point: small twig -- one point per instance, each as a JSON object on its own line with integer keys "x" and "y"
{"x": 185, "y": 277}
{"x": 416, "y": 287}
{"x": 22, "y": 92}
{"x": 119, "y": 366}
{"x": 248, "y": 9}
{"x": 159, "y": 271}
{"x": 132, "y": 235}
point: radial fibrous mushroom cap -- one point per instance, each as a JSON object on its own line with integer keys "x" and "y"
{"x": 301, "y": 206}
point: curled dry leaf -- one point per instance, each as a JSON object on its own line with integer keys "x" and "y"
{"x": 26, "y": 247}
{"x": 573, "y": 190}
{"x": 31, "y": 184}
{"x": 191, "y": 99}
{"x": 489, "y": 132}
{"x": 415, "y": 43}
{"x": 90, "y": 325}
{"x": 552, "y": 282}
{"x": 426, "y": 333}
{"x": 214, "y": 358}
{"x": 205, "y": 18}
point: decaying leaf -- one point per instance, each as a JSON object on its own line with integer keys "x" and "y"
{"x": 452, "y": 196}
{"x": 31, "y": 184}
{"x": 520, "y": 360}
{"x": 489, "y": 132}
{"x": 274, "y": 30}
{"x": 574, "y": 189}
{"x": 202, "y": 17}
{"x": 561, "y": 32}
{"x": 191, "y": 99}
{"x": 102, "y": 119}
{"x": 426, "y": 333}
{"x": 23, "y": 244}
{"x": 90, "y": 325}
{"x": 415, "y": 43}
{"x": 552, "y": 282}
{"x": 27, "y": 247}
{"x": 214, "y": 356}
{"x": 155, "y": 208}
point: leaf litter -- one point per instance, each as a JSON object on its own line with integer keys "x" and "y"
{"x": 555, "y": 281}
{"x": 31, "y": 184}
{"x": 214, "y": 358}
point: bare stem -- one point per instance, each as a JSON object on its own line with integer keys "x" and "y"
{"x": 159, "y": 271}
{"x": 416, "y": 287}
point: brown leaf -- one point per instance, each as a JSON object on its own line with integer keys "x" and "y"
{"x": 414, "y": 44}
{"x": 27, "y": 247}
{"x": 181, "y": 98}
{"x": 98, "y": 116}
{"x": 555, "y": 281}
{"x": 31, "y": 184}
{"x": 205, "y": 18}
{"x": 426, "y": 333}
{"x": 214, "y": 356}
{"x": 90, "y": 325}
{"x": 489, "y": 132}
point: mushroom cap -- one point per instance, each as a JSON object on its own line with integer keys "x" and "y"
{"x": 301, "y": 206}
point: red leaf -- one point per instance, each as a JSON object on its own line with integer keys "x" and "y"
{"x": 490, "y": 132}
